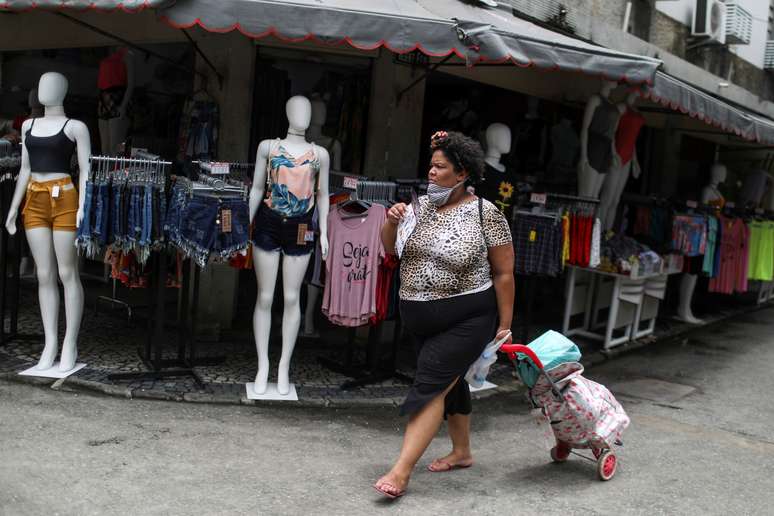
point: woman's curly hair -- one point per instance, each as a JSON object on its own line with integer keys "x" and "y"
{"x": 463, "y": 152}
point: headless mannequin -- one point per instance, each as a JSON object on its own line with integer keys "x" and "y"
{"x": 299, "y": 113}
{"x": 55, "y": 250}
{"x": 113, "y": 131}
{"x": 589, "y": 179}
{"x": 314, "y": 134}
{"x": 709, "y": 194}
{"x": 615, "y": 180}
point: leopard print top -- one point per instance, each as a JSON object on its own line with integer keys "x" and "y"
{"x": 446, "y": 255}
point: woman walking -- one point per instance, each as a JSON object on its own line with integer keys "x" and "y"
{"x": 456, "y": 295}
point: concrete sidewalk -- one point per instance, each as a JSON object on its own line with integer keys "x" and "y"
{"x": 701, "y": 442}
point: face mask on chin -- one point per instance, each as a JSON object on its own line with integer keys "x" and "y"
{"x": 439, "y": 195}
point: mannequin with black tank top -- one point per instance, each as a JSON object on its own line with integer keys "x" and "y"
{"x": 53, "y": 210}
{"x": 333, "y": 146}
{"x": 282, "y": 199}
{"x": 600, "y": 121}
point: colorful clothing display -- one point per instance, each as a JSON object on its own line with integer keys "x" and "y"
{"x": 734, "y": 257}
{"x": 689, "y": 234}
{"x": 291, "y": 181}
{"x": 761, "y": 259}
{"x": 538, "y": 245}
{"x": 198, "y": 138}
{"x": 355, "y": 249}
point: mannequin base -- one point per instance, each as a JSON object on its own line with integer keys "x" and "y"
{"x": 271, "y": 393}
{"x": 52, "y": 372}
{"x": 485, "y": 387}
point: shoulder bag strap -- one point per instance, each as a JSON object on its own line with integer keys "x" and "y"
{"x": 481, "y": 219}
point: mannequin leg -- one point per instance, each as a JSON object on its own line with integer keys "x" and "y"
{"x": 41, "y": 245}
{"x": 589, "y": 181}
{"x": 687, "y": 286}
{"x": 266, "y": 264}
{"x": 105, "y": 142}
{"x": 612, "y": 189}
{"x": 293, "y": 268}
{"x": 312, "y": 295}
{"x": 67, "y": 260}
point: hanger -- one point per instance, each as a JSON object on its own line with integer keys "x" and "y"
{"x": 343, "y": 207}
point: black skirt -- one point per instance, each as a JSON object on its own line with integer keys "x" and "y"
{"x": 449, "y": 334}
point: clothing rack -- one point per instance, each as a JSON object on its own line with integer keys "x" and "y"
{"x": 548, "y": 210}
{"x": 10, "y": 251}
{"x": 145, "y": 168}
{"x": 377, "y": 191}
{"x": 371, "y": 371}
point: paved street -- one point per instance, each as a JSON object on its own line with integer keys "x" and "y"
{"x": 701, "y": 442}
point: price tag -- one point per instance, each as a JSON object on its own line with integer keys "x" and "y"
{"x": 301, "y": 235}
{"x": 55, "y": 191}
{"x": 350, "y": 183}
{"x": 692, "y": 204}
{"x": 225, "y": 217}
{"x": 538, "y": 198}
{"x": 309, "y": 236}
{"x": 730, "y": 205}
{"x": 220, "y": 169}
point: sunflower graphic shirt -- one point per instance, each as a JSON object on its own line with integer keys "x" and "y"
{"x": 499, "y": 188}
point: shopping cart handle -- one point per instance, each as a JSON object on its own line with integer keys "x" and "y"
{"x": 512, "y": 349}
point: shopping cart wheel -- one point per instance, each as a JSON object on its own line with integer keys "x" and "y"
{"x": 606, "y": 465}
{"x": 560, "y": 452}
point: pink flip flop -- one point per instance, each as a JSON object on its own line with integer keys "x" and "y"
{"x": 389, "y": 495}
{"x": 449, "y": 467}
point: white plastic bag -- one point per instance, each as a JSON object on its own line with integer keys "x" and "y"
{"x": 477, "y": 373}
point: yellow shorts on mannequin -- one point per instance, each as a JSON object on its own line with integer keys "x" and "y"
{"x": 51, "y": 204}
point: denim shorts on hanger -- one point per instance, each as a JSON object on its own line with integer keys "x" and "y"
{"x": 204, "y": 230}
{"x": 293, "y": 236}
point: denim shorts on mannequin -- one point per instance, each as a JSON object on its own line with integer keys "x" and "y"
{"x": 204, "y": 229}
{"x": 275, "y": 232}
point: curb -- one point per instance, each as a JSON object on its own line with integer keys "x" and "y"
{"x": 509, "y": 385}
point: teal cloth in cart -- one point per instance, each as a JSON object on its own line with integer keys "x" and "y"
{"x": 553, "y": 349}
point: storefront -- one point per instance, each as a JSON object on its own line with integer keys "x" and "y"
{"x": 213, "y": 82}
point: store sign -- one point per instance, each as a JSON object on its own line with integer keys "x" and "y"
{"x": 219, "y": 169}
{"x": 350, "y": 183}
{"x": 538, "y": 198}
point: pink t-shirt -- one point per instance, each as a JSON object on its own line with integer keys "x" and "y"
{"x": 355, "y": 249}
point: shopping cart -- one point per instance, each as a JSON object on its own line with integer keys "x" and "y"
{"x": 582, "y": 414}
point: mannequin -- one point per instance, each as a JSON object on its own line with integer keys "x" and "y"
{"x": 333, "y": 146}
{"x": 499, "y": 181}
{"x": 709, "y": 195}
{"x": 600, "y": 121}
{"x": 294, "y": 265}
{"x": 756, "y": 185}
{"x": 530, "y": 141}
{"x": 53, "y": 248}
{"x": 564, "y": 149}
{"x": 116, "y": 86}
{"x": 624, "y": 161}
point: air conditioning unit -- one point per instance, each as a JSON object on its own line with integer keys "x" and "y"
{"x": 739, "y": 24}
{"x": 709, "y": 20}
{"x": 768, "y": 59}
